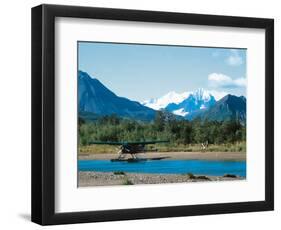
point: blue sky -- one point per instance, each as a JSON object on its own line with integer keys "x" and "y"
{"x": 141, "y": 72}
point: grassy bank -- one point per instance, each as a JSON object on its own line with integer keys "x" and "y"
{"x": 236, "y": 147}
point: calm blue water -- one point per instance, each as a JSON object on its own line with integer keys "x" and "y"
{"x": 204, "y": 167}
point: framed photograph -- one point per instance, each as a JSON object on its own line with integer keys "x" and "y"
{"x": 143, "y": 114}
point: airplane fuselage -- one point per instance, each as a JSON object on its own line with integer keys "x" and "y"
{"x": 132, "y": 148}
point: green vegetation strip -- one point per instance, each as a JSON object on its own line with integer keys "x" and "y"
{"x": 184, "y": 135}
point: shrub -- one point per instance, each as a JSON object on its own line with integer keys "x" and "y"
{"x": 127, "y": 182}
{"x": 202, "y": 178}
{"x": 119, "y": 173}
{"x": 230, "y": 175}
{"x": 191, "y": 176}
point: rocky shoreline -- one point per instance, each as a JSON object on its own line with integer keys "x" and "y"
{"x": 89, "y": 178}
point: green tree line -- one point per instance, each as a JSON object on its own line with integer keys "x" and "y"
{"x": 165, "y": 126}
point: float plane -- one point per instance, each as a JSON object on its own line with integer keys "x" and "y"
{"x": 131, "y": 148}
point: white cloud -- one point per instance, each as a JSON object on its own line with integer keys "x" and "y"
{"x": 219, "y": 80}
{"x": 234, "y": 59}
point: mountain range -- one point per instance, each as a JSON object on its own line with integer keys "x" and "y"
{"x": 201, "y": 103}
{"x": 229, "y": 107}
{"x": 97, "y": 100}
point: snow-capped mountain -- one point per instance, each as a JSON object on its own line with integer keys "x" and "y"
{"x": 96, "y": 100}
{"x": 197, "y": 100}
{"x": 229, "y": 107}
{"x": 184, "y": 103}
{"x": 162, "y": 102}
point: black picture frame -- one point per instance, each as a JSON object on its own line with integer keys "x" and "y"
{"x": 43, "y": 114}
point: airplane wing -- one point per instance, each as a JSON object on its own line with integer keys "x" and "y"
{"x": 146, "y": 142}
{"x": 105, "y": 143}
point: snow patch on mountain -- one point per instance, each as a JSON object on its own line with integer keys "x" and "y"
{"x": 202, "y": 107}
{"x": 201, "y": 94}
{"x": 162, "y": 102}
{"x": 176, "y": 98}
{"x": 180, "y": 112}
